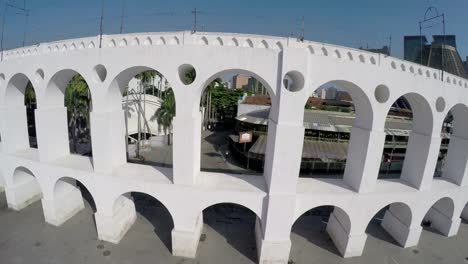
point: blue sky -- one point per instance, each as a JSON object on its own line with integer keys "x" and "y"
{"x": 351, "y": 23}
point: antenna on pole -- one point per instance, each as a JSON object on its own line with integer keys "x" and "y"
{"x": 434, "y": 15}
{"x": 302, "y": 29}
{"x": 102, "y": 20}
{"x": 124, "y": 7}
{"x": 194, "y": 12}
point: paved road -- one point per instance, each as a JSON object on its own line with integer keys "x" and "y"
{"x": 26, "y": 239}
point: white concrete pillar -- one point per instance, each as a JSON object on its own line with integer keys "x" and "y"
{"x": 400, "y": 229}
{"x": 112, "y": 224}
{"x": 364, "y": 158}
{"x": 349, "y": 245}
{"x": 52, "y": 133}
{"x": 274, "y": 232}
{"x": 15, "y": 131}
{"x": 186, "y": 148}
{"x": 442, "y": 221}
{"x": 456, "y": 161}
{"x": 23, "y": 192}
{"x": 185, "y": 240}
{"x": 421, "y": 160}
{"x": 64, "y": 203}
{"x": 108, "y": 140}
{"x": 283, "y": 156}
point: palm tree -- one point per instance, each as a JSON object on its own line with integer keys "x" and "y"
{"x": 77, "y": 101}
{"x": 165, "y": 114}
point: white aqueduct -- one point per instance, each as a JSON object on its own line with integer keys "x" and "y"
{"x": 279, "y": 197}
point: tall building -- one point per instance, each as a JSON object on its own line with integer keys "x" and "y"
{"x": 384, "y": 50}
{"x": 240, "y": 81}
{"x": 465, "y": 63}
{"x": 441, "y": 54}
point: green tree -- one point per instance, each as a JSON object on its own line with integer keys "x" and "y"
{"x": 165, "y": 114}
{"x": 78, "y": 103}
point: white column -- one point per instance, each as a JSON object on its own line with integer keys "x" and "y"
{"x": 364, "y": 158}
{"x": 456, "y": 161}
{"x": 186, "y": 148}
{"x": 283, "y": 156}
{"x": 400, "y": 229}
{"x": 421, "y": 160}
{"x": 52, "y": 133}
{"x": 63, "y": 203}
{"x": 349, "y": 245}
{"x": 15, "y": 131}
{"x": 108, "y": 140}
{"x": 23, "y": 192}
{"x": 185, "y": 240}
{"x": 113, "y": 223}
{"x": 273, "y": 234}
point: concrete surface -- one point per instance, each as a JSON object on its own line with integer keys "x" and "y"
{"x": 25, "y": 238}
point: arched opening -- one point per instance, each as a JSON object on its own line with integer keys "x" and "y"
{"x": 453, "y": 154}
{"x": 149, "y": 104}
{"x": 408, "y": 125}
{"x": 21, "y": 125}
{"x": 31, "y": 106}
{"x": 235, "y": 108}
{"x": 79, "y": 105}
{"x": 25, "y": 189}
{"x": 70, "y": 198}
{"x": 68, "y": 99}
{"x": 319, "y": 231}
{"x": 229, "y": 229}
{"x": 331, "y": 114}
{"x": 391, "y": 224}
{"x": 153, "y": 218}
{"x": 438, "y": 218}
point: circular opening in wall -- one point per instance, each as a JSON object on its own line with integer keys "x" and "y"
{"x": 382, "y": 93}
{"x": 440, "y": 104}
{"x": 39, "y": 75}
{"x": 187, "y": 74}
{"x": 100, "y": 72}
{"x": 293, "y": 81}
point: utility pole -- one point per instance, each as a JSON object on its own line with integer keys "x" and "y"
{"x": 390, "y": 45}
{"x": 26, "y": 22}
{"x": 124, "y": 7}
{"x": 302, "y": 29}
{"x": 26, "y": 12}
{"x": 194, "y": 12}
{"x": 102, "y": 20}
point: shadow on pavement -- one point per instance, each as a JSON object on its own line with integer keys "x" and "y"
{"x": 236, "y": 224}
{"x": 312, "y": 227}
{"x": 155, "y": 212}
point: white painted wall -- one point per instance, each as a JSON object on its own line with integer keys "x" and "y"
{"x": 278, "y": 198}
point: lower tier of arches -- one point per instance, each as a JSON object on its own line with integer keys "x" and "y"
{"x": 344, "y": 215}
